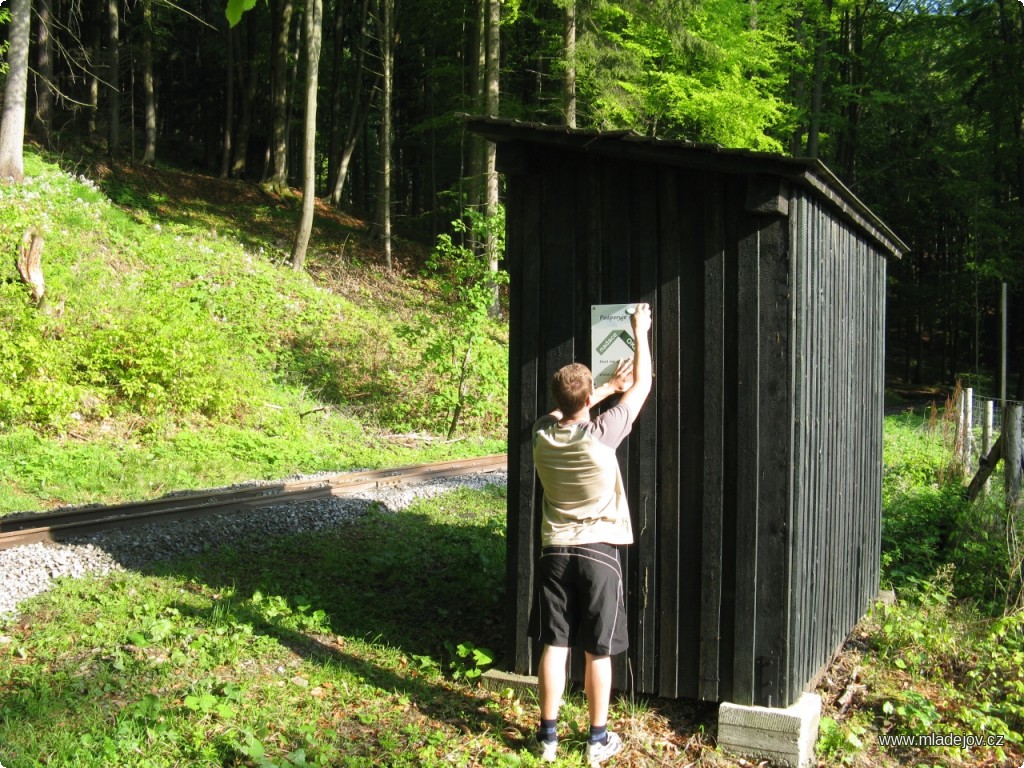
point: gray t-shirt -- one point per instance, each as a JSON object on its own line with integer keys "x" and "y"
{"x": 584, "y": 497}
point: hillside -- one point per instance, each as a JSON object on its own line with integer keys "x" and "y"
{"x": 175, "y": 347}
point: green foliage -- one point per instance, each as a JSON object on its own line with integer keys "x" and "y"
{"x": 970, "y": 668}
{"x": 317, "y": 649}
{"x": 941, "y": 664}
{"x": 160, "y": 358}
{"x": 839, "y": 744}
{"x": 174, "y": 357}
{"x": 235, "y": 9}
{"x": 462, "y": 376}
{"x": 5, "y": 18}
{"x": 702, "y": 72}
{"x": 469, "y": 661}
{"x": 302, "y": 618}
{"x": 928, "y": 523}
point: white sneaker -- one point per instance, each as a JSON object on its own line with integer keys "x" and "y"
{"x": 547, "y": 751}
{"x": 598, "y": 753}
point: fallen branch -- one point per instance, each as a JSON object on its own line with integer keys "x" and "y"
{"x": 986, "y": 466}
{"x": 853, "y": 688}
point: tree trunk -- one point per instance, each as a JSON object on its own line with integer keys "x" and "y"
{"x": 820, "y": 65}
{"x": 384, "y": 188}
{"x": 278, "y": 181}
{"x": 569, "y": 81}
{"x": 148, "y": 83}
{"x": 294, "y": 159}
{"x": 314, "y": 32}
{"x": 798, "y": 85}
{"x": 491, "y": 164}
{"x": 360, "y": 109}
{"x": 12, "y": 123}
{"x": 44, "y": 70}
{"x": 475, "y": 167}
{"x": 850, "y": 68}
{"x": 1013, "y": 458}
{"x": 240, "y": 145}
{"x": 92, "y": 113}
{"x": 229, "y": 104}
{"x": 337, "y": 94}
{"x": 113, "y": 78}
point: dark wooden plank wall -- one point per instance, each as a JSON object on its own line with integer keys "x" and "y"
{"x": 839, "y": 296}
{"x": 752, "y": 473}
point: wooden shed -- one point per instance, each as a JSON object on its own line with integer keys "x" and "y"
{"x": 754, "y": 472}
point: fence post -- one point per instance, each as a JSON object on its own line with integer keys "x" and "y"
{"x": 967, "y": 427}
{"x": 986, "y": 433}
{"x": 1013, "y": 455}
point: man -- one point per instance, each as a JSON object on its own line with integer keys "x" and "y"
{"x": 585, "y": 518}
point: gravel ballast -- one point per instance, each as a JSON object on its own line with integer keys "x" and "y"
{"x": 30, "y": 570}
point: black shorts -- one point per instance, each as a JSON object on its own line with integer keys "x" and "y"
{"x": 579, "y": 599}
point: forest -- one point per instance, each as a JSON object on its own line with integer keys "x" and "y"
{"x": 272, "y": 249}
{"x": 916, "y": 105}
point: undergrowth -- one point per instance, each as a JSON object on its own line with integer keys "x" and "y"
{"x": 168, "y": 324}
{"x": 936, "y": 677}
{"x": 355, "y": 647}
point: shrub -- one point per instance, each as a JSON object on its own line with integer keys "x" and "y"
{"x": 928, "y": 522}
{"x": 462, "y": 375}
{"x": 162, "y": 359}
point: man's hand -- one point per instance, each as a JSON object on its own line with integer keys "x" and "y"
{"x": 623, "y": 376}
{"x": 641, "y": 319}
{"x": 633, "y": 398}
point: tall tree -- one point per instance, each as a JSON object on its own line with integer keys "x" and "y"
{"x": 314, "y": 36}
{"x": 250, "y": 76}
{"x": 229, "y": 104}
{"x": 493, "y": 73}
{"x": 113, "y": 77}
{"x": 569, "y": 79}
{"x": 277, "y": 180}
{"x": 12, "y": 123}
{"x": 148, "y": 83}
{"x": 93, "y": 54}
{"x": 343, "y": 142}
{"x": 43, "y": 116}
{"x": 476, "y": 146}
{"x": 386, "y": 9}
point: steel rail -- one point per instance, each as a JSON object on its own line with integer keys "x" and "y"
{"x": 63, "y": 524}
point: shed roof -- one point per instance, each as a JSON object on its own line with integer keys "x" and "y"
{"x": 809, "y": 172}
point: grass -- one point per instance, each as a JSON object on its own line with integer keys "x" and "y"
{"x": 944, "y": 661}
{"x": 179, "y": 350}
{"x": 339, "y": 649}
{"x": 356, "y": 647}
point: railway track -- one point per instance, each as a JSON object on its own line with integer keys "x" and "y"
{"x": 64, "y": 524}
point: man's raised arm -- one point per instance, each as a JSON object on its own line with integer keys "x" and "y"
{"x": 643, "y": 373}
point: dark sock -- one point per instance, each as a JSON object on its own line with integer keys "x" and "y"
{"x": 599, "y": 735}
{"x": 548, "y": 730}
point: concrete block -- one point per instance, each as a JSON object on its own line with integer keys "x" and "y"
{"x": 786, "y": 737}
{"x": 496, "y": 680}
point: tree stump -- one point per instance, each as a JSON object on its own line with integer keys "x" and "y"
{"x": 30, "y": 266}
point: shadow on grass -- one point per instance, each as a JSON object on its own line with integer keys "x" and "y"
{"x": 382, "y": 599}
{"x": 400, "y": 581}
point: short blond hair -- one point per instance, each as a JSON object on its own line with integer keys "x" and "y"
{"x": 571, "y": 386}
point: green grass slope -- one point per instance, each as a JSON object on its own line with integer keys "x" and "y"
{"x": 177, "y": 349}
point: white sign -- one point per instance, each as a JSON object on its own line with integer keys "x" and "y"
{"x": 611, "y": 339}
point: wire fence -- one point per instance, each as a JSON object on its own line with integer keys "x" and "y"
{"x": 984, "y": 417}
{"x": 979, "y": 423}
